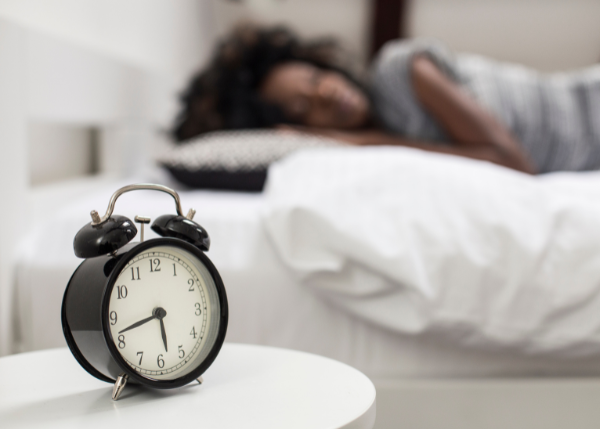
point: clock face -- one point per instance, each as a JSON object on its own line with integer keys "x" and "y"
{"x": 163, "y": 313}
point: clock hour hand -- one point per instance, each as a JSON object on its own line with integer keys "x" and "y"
{"x": 140, "y": 323}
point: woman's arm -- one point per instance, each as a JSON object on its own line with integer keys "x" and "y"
{"x": 468, "y": 124}
{"x": 377, "y": 138}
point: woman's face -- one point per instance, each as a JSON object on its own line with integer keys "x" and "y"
{"x": 316, "y": 97}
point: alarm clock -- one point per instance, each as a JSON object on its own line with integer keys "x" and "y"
{"x": 152, "y": 313}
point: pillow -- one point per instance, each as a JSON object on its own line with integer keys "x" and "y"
{"x": 234, "y": 160}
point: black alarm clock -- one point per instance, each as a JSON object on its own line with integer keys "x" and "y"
{"x": 153, "y": 312}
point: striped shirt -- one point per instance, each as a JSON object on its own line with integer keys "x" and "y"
{"x": 555, "y": 117}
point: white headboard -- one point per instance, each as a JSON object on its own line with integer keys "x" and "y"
{"x": 48, "y": 80}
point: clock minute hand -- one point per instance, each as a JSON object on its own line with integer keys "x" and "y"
{"x": 164, "y": 334}
{"x": 140, "y": 323}
{"x": 160, "y": 314}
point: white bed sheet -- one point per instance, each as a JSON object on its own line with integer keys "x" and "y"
{"x": 418, "y": 242}
{"x": 268, "y": 304}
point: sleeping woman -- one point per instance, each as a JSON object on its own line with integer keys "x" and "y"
{"x": 417, "y": 95}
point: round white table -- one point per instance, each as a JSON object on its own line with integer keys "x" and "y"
{"x": 246, "y": 387}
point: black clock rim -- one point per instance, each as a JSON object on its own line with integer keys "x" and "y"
{"x": 71, "y": 341}
{"x": 212, "y": 354}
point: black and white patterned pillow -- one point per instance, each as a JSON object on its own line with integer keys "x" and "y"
{"x": 234, "y": 160}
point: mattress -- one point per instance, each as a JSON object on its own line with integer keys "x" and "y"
{"x": 269, "y": 305}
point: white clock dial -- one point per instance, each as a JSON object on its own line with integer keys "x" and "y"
{"x": 161, "y": 310}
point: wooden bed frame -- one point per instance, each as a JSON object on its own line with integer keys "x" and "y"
{"x": 388, "y": 22}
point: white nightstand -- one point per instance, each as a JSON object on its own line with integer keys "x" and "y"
{"x": 247, "y": 387}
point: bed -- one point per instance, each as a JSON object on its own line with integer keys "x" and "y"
{"x": 423, "y": 380}
{"x": 271, "y": 305}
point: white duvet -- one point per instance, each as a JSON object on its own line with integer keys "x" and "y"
{"x": 416, "y": 242}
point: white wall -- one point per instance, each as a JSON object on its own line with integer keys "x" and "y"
{"x": 166, "y": 39}
{"x": 164, "y": 35}
{"x": 13, "y": 180}
{"x": 549, "y": 35}
{"x": 70, "y": 146}
{"x": 169, "y": 38}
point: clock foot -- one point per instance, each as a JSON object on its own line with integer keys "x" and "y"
{"x": 200, "y": 380}
{"x": 119, "y": 386}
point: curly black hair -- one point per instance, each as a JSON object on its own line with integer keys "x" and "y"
{"x": 224, "y": 95}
